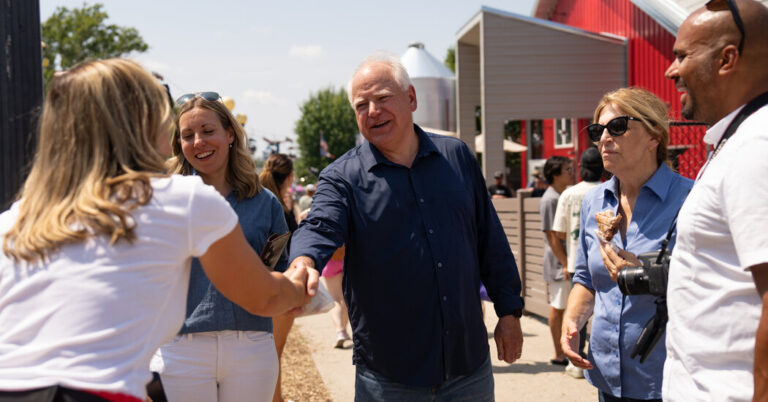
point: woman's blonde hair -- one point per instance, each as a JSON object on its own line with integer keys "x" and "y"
{"x": 241, "y": 171}
{"x": 641, "y": 104}
{"x": 101, "y": 123}
{"x": 276, "y": 170}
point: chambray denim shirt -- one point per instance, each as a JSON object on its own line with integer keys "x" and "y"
{"x": 208, "y": 310}
{"x": 618, "y": 319}
{"x": 419, "y": 241}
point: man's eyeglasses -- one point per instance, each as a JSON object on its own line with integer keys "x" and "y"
{"x": 209, "y": 96}
{"x": 616, "y": 127}
{"x": 720, "y": 5}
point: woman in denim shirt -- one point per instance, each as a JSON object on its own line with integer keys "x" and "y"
{"x": 222, "y": 352}
{"x": 632, "y": 136}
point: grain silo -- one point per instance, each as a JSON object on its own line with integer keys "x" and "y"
{"x": 435, "y": 89}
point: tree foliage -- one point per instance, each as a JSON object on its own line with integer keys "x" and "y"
{"x": 79, "y": 34}
{"x": 450, "y": 59}
{"x": 327, "y": 112}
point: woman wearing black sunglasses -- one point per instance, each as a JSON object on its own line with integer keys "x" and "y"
{"x": 631, "y": 132}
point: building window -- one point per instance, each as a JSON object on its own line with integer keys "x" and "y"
{"x": 536, "y": 147}
{"x": 563, "y": 133}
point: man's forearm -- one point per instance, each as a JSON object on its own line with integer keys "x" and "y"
{"x": 761, "y": 355}
{"x": 556, "y": 245}
{"x": 760, "y": 369}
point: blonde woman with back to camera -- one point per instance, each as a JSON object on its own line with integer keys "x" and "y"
{"x": 96, "y": 250}
{"x": 222, "y": 353}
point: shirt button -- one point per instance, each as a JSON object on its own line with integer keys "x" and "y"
{"x": 439, "y": 264}
{"x": 446, "y": 332}
{"x": 421, "y": 200}
{"x": 431, "y": 231}
{"x": 445, "y": 298}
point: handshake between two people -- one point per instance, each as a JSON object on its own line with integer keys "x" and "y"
{"x": 305, "y": 279}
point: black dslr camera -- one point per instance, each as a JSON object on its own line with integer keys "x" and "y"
{"x": 651, "y": 279}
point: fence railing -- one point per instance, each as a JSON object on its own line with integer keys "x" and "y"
{"x": 522, "y": 224}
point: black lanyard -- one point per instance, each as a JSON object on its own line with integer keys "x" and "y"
{"x": 745, "y": 112}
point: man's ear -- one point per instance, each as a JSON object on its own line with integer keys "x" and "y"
{"x": 728, "y": 59}
{"x": 412, "y": 98}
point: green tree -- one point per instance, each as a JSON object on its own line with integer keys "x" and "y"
{"x": 450, "y": 59}
{"x": 327, "y": 112}
{"x": 79, "y": 34}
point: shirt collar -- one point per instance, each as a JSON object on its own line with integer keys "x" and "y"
{"x": 370, "y": 156}
{"x": 659, "y": 183}
{"x": 716, "y": 132}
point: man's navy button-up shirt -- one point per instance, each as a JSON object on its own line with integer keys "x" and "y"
{"x": 419, "y": 241}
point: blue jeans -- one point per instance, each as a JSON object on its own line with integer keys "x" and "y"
{"x": 478, "y": 386}
{"x": 605, "y": 397}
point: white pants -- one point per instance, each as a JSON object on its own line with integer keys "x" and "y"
{"x": 225, "y": 366}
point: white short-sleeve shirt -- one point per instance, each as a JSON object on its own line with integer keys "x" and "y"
{"x": 714, "y": 307}
{"x": 568, "y": 215}
{"x": 92, "y": 316}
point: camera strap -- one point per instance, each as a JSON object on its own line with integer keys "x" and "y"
{"x": 665, "y": 242}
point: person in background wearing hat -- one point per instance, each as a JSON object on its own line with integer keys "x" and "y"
{"x": 558, "y": 170}
{"x": 499, "y": 190}
{"x": 566, "y": 224}
{"x": 538, "y": 183}
{"x": 306, "y": 200}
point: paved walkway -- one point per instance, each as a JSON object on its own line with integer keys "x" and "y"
{"x": 532, "y": 378}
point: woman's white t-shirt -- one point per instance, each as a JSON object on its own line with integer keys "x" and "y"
{"x": 92, "y": 316}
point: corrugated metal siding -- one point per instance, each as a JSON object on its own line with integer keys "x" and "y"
{"x": 649, "y": 49}
{"x": 20, "y": 92}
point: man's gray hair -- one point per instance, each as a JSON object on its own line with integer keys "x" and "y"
{"x": 398, "y": 71}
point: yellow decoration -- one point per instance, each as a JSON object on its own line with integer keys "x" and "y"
{"x": 228, "y": 102}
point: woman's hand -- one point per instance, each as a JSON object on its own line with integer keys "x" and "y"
{"x": 614, "y": 262}
{"x": 570, "y": 344}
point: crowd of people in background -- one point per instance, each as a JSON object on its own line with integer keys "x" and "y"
{"x": 142, "y": 254}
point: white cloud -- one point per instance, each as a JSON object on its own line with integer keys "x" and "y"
{"x": 307, "y": 52}
{"x": 262, "y": 97}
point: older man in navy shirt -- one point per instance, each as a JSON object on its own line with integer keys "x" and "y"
{"x": 421, "y": 234}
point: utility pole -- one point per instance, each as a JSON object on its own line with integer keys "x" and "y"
{"x": 21, "y": 92}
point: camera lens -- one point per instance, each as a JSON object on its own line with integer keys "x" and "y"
{"x": 633, "y": 281}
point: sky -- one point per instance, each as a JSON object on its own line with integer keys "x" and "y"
{"x": 270, "y": 56}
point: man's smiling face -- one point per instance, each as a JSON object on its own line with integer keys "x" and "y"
{"x": 383, "y": 109}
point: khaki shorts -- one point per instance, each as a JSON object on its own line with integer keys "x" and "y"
{"x": 558, "y": 294}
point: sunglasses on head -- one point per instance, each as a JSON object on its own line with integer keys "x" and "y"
{"x": 721, "y": 5}
{"x": 209, "y": 96}
{"x": 616, "y": 127}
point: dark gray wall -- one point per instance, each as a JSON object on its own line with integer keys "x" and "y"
{"x": 21, "y": 92}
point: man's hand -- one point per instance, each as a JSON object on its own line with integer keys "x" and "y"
{"x": 302, "y": 271}
{"x": 566, "y": 274}
{"x": 614, "y": 262}
{"x": 570, "y": 344}
{"x": 509, "y": 338}
{"x": 313, "y": 276}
